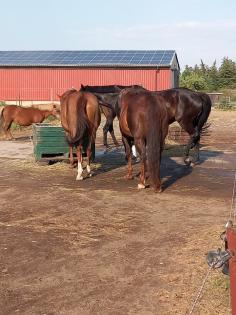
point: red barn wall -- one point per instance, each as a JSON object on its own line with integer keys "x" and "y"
{"x": 45, "y": 83}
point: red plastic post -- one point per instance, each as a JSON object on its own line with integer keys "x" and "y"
{"x": 231, "y": 239}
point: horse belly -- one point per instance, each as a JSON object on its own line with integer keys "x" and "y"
{"x": 26, "y": 119}
{"x": 22, "y": 121}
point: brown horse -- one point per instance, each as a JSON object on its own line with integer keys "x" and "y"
{"x": 80, "y": 118}
{"x": 24, "y": 116}
{"x": 143, "y": 122}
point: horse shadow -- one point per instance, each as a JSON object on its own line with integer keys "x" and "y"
{"x": 173, "y": 167}
{"x": 109, "y": 160}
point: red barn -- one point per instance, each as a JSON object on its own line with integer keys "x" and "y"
{"x": 41, "y": 75}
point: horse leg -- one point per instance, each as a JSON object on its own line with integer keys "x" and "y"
{"x": 105, "y": 131}
{"x": 111, "y": 130}
{"x": 127, "y": 145}
{"x": 189, "y": 128}
{"x": 7, "y": 130}
{"x": 192, "y": 144}
{"x": 140, "y": 146}
{"x": 71, "y": 157}
{"x": 197, "y": 150}
{"x": 80, "y": 161}
{"x": 89, "y": 154}
{"x": 109, "y": 127}
{"x": 116, "y": 143}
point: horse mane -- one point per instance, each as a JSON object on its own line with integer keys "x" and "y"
{"x": 106, "y": 88}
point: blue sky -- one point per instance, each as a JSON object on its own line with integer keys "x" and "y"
{"x": 195, "y": 28}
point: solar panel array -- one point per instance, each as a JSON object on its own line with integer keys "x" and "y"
{"x": 87, "y": 58}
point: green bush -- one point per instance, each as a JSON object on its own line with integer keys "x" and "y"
{"x": 2, "y": 103}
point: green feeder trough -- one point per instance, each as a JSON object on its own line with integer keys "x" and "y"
{"x": 50, "y": 143}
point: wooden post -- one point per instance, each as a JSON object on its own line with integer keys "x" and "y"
{"x": 231, "y": 240}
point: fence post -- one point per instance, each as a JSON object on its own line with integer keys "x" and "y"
{"x": 231, "y": 240}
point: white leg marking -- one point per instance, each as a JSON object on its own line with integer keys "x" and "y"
{"x": 134, "y": 151}
{"x": 141, "y": 186}
{"x": 80, "y": 171}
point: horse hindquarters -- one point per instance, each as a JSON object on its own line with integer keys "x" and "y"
{"x": 5, "y": 124}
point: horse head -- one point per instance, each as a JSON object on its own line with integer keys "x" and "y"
{"x": 55, "y": 111}
{"x": 82, "y": 87}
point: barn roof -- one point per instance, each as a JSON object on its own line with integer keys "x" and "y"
{"x": 89, "y": 58}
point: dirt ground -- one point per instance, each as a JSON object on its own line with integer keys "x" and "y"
{"x": 100, "y": 246}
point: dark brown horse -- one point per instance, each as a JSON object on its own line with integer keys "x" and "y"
{"x": 24, "y": 116}
{"x": 191, "y": 110}
{"x": 80, "y": 117}
{"x": 107, "y": 96}
{"x": 143, "y": 122}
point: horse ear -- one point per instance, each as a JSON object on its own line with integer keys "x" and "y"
{"x": 82, "y": 88}
{"x": 59, "y": 95}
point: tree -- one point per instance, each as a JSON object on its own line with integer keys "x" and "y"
{"x": 193, "y": 81}
{"x": 203, "y": 77}
{"x": 213, "y": 78}
{"x": 227, "y": 73}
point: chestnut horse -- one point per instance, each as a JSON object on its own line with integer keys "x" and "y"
{"x": 80, "y": 118}
{"x": 24, "y": 116}
{"x": 143, "y": 122}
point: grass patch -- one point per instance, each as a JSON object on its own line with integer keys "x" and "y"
{"x": 15, "y": 126}
{"x": 50, "y": 118}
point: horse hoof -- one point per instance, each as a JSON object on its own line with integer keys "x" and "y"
{"x": 141, "y": 186}
{"x": 187, "y": 161}
{"x": 158, "y": 189}
{"x": 79, "y": 178}
{"x": 90, "y": 175}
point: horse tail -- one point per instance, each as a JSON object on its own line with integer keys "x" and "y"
{"x": 154, "y": 145}
{"x": 1, "y": 120}
{"x": 201, "y": 121}
{"x": 78, "y": 122}
{"x": 206, "y": 109}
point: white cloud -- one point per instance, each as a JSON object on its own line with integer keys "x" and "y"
{"x": 193, "y": 40}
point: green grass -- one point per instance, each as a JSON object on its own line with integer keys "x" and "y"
{"x": 50, "y": 118}
{"x": 15, "y": 126}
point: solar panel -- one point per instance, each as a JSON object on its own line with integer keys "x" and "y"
{"x": 87, "y": 57}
